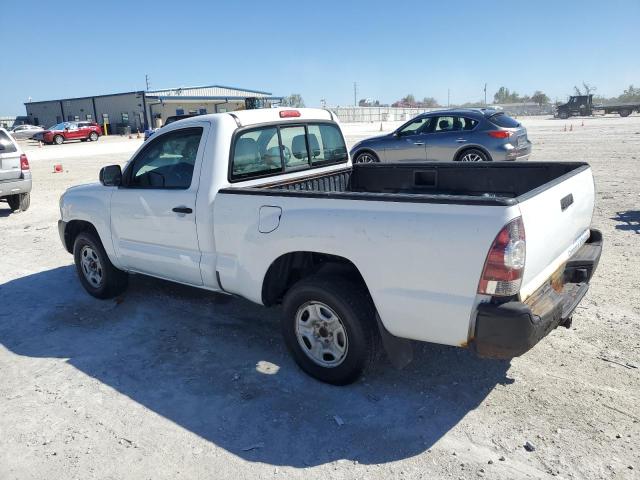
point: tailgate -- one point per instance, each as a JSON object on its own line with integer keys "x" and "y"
{"x": 556, "y": 223}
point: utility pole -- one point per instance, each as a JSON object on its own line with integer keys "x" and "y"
{"x": 355, "y": 94}
{"x": 448, "y": 97}
{"x": 146, "y": 80}
{"x": 485, "y": 94}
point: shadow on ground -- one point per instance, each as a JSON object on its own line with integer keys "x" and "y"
{"x": 191, "y": 357}
{"x": 630, "y": 220}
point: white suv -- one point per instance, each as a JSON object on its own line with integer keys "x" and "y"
{"x": 15, "y": 176}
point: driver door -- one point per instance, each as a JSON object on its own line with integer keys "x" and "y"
{"x": 408, "y": 143}
{"x": 153, "y": 217}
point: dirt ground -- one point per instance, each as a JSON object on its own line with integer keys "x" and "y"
{"x": 173, "y": 382}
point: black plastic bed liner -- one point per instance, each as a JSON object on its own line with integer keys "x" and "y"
{"x": 491, "y": 183}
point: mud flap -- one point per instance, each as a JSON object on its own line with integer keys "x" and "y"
{"x": 399, "y": 350}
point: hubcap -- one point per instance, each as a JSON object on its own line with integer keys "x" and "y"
{"x": 93, "y": 137}
{"x": 471, "y": 157}
{"x": 321, "y": 334}
{"x": 91, "y": 267}
{"x": 58, "y": 140}
{"x": 365, "y": 158}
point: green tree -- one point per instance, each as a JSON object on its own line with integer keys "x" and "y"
{"x": 409, "y": 99}
{"x": 293, "y": 100}
{"x": 429, "y": 102}
{"x": 540, "y": 98}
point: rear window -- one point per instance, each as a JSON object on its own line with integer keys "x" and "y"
{"x": 504, "y": 121}
{"x": 6, "y": 145}
{"x": 285, "y": 148}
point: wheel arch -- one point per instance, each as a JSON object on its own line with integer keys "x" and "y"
{"x": 74, "y": 228}
{"x": 366, "y": 150}
{"x": 465, "y": 148}
{"x": 292, "y": 267}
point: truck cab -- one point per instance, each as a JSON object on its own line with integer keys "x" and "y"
{"x": 577, "y": 105}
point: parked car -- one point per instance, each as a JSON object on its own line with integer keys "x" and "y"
{"x": 265, "y": 205}
{"x": 65, "y": 131}
{"x": 15, "y": 175}
{"x": 174, "y": 118}
{"x": 465, "y": 135}
{"x": 21, "y": 132}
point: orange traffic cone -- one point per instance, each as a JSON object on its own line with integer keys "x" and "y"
{"x": 39, "y": 144}
{"x": 565, "y": 127}
{"x": 57, "y": 168}
{"x": 583, "y": 123}
{"x": 138, "y": 134}
{"x": 571, "y": 127}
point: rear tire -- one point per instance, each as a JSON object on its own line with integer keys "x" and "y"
{"x": 96, "y": 272}
{"x": 473, "y": 155}
{"x": 563, "y": 115}
{"x": 366, "y": 157}
{"x": 19, "y": 202}
{"x": 58, "y": 139}
{"x": 330, "y": 329}
{"x": 625, "y": 112}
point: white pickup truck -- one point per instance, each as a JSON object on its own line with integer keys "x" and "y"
{"x": 266, "y": 205}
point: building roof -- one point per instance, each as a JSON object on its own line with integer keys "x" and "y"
{"x": 208, "y": 91}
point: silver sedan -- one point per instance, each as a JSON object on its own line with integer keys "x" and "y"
{"x": 466, "y": 135}
{"x": 20, "y": 132}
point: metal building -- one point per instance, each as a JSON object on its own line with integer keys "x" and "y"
{"x": 143, "y": 109}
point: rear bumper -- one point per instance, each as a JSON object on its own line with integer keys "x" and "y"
{"x": 510, "y": 329}
{"x": 13, "y": 187}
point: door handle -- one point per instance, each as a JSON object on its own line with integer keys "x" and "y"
{"x": 461, "y": 140}
{"x": 418, "y": 143}
{"x": 182, "y": 210}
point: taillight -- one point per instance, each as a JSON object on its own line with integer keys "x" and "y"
{"x": 24, "y": 162}
{"x": 502, "y": 273}
{"x": 289, "y": 113}
{"x": 500, "y": 133}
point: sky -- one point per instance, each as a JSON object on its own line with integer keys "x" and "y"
{"x": 317, "y": 49}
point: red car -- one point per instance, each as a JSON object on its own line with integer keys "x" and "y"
{"x": 62, "y": 132}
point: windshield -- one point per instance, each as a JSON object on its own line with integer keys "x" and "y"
{"x": 57, "y": 126}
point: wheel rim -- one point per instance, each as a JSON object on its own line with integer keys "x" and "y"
{"x": 471, "y": 157}
{"x": 91, "y": 266}
{"x": 93, "y": 137}
{"x": 58, "y": 140}
{"x": 365, "y": 158}
{"x": 321, "y": 334}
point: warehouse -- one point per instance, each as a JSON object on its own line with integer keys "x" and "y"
{"x": 143, "y": 109}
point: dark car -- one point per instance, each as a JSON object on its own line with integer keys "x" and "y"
{"x": 65, "y": 131}
{"x": 466, "y": 135}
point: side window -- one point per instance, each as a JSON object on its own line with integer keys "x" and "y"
{"x": 167, "y": 162}
{"x": 468, "y": 123}
{"x": 416, "y": 126}
{"x": 447, "y": 124}
{"x": 326, "y": 144}
{"x": 294, "y": 148}
{"x": 256, "y": 152}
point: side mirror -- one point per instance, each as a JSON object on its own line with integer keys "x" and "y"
{"x": 111, "y": 176}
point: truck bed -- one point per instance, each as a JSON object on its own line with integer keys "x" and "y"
{"x": 430, "y": 182}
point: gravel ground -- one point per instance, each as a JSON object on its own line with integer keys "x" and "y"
{"x": 173, "y": 382}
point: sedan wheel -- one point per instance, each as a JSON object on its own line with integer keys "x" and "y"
{"x": 93, "y": 137}
{"x": 473, "y": 156}
{"x": 58, "y": 139}
{"x": 365, "y": 157}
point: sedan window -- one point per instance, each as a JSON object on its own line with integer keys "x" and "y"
{"x": 417, "y": 125}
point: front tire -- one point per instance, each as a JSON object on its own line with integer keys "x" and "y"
{"x": 330, "y": 329}
{"x": 563, "y": 115}
{"x": 58, "y": 139}
{"x": 19, "y": 202}
{"x": 473, "y": 155}
{"x": 366, "y": 157}
{"x": 93, "y": 137}
{"x": 96, "y": 272}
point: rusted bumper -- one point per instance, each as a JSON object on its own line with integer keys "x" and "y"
{"x": 510, "y": 329}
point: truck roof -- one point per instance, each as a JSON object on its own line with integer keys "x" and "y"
{"x": 266, "y": 115}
